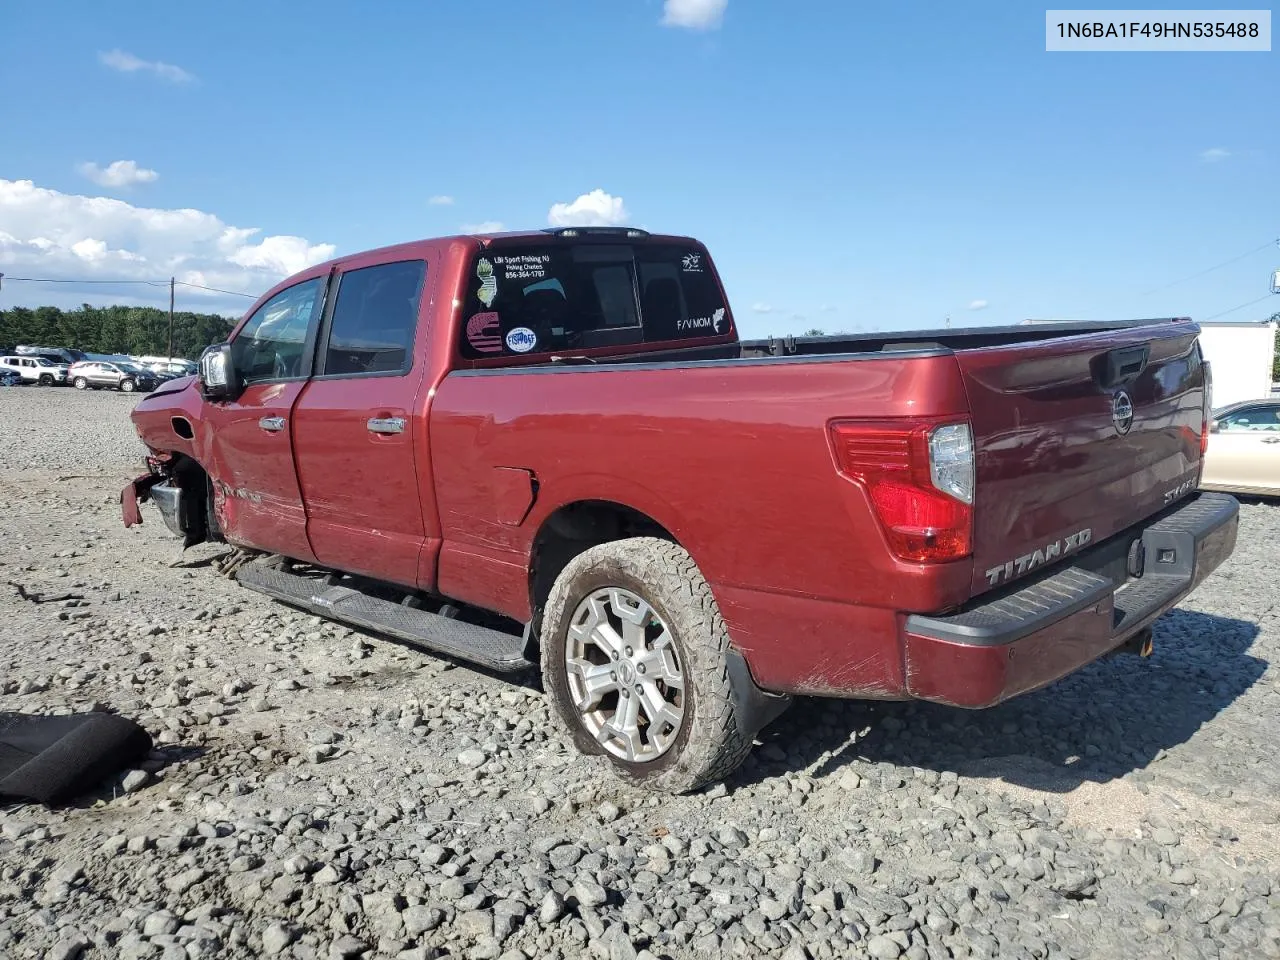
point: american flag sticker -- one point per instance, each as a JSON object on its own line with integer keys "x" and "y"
{"x": 484, "y": 333}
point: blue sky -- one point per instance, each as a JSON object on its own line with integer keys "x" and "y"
{"x": 850, "y": 165}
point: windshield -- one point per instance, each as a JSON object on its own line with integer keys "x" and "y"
{"x": 540, "y": 297}
{"x": 42, "y": 362}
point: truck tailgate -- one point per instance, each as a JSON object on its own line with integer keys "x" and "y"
{"x": 1078, "y": 438}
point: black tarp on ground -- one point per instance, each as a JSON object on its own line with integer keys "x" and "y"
{"x": 52, "y": 759}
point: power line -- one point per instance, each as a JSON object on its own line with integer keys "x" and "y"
{"x": 151, "y": 283}
{"x": 1218, "y": 266}
{"x": 1241, "y": 307}
{"x": 200, "y": 286}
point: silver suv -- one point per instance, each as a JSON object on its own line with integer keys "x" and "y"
{"x": 126, "y": 377}
{"x": 36, "y": 370}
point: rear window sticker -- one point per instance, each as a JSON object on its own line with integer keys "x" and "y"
{"x": 691, "y": 262}
{"x": 711, "y": 323}
{"x": 521, "y": 340}
{"x": 528, "y": 266}
{"x": 488, "y": 282}
{"x": 484, "y": 333}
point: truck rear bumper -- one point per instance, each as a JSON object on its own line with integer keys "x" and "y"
{"x": 1049, "y": 626}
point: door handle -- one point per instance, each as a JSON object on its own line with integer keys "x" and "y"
{"x": 1271, "y": 439}
{"x": 272, "y": 424}
{"x": 386, "y": 425}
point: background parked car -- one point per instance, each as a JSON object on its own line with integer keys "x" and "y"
{"x": 37, "y": 370}
{"x": 1244, "y": 449}
{"x": 126, "y": 377}
{"x": 63, "y": 356}
{"x": 171, "y": 368}
{"x": 9, "y": 377}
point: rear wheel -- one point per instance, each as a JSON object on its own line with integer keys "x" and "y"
{"x": 80, "y": 383}
{"x": 635, "y": 659}
{"x": 126, "y": 386}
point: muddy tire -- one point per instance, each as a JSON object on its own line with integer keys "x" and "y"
{"x": 80, "y": 383}
{"x": 666, "y": 717}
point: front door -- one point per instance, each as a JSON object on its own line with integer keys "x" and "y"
{"x": 249, "y": 453}
{"x": 358, "y": 439}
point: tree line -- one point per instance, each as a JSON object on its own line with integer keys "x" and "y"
{"x": 137, "y": 331}
{"x": 1275, "y": 362}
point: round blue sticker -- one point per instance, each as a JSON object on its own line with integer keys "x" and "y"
{"x": 521, "y": 340}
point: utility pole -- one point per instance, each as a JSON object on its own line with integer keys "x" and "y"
{"x": 169, "y": 354}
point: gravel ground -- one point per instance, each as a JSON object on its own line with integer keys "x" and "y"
{"x": 319, "y": 793}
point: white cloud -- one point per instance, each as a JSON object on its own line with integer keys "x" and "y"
{"x": 484, "y": 226}
{"x": 761, "y": 308}
{"x": 441, "y": 200}
{"x": 1214, "y": 154}
{"x": 594, "y": 209}
{"x": 53, "y": 234}
{"x": 693, "y": 14}
{"x": 119, "y": 173}
{"x": 128, "y": 63}
{"x": 978, "y": 304}
{"x": 280, "y": 255}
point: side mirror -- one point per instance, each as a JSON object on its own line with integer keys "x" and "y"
{"x": 218, "y": 378}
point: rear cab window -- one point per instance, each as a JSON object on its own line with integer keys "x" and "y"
{"x": 375, "y": 318}
{"x": 555, "y": 297}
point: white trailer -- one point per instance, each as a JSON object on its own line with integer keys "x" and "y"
{"x": 1240, "y": 357}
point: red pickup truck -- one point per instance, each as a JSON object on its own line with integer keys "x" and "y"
{"x": 553, "y": 446}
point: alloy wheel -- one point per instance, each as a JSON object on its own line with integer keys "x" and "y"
{"x": 624, "y": 675}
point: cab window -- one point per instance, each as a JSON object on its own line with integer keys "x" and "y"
{"x": 374, "y": 319}
{"x": 1251, "y": 418}
{"x": 271, "y": 344}
{"x": 542, "y": 297}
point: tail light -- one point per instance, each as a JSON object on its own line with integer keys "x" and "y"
{"x": 1208, "y": 409}
{"x": 919, "y": 475}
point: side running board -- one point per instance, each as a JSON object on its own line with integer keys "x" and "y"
{"x": 466, "y": 641}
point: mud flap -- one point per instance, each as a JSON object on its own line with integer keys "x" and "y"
{"x": 756, "y": 708}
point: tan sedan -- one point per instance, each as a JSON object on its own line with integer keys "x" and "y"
{"x": 1244, "y": 449}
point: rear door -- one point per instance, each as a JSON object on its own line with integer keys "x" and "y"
{"x": 359, "y": 445}
{"x": 1244, "y": 451}
{"x": 250, "y": 446}
{"x": 1078, "y": 438}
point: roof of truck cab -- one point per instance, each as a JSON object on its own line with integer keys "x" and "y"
{"x": 413, "y": 248}
{"x": 545, "y": 235}
{"x": 542, "y": 236}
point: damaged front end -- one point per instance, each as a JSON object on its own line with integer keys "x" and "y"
{"x": 179, "y": 488}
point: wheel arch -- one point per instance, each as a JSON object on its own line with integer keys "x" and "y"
{"x": 576, "y": 526}
{"x": 200, "y": 515}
